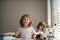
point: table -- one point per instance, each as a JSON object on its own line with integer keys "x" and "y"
{"x": 23, "y": 39}
{"x": 3, "y": 37}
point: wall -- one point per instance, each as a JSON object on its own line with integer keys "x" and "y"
{"x": 13, "y": 10}
{"x": 0, "y": 16}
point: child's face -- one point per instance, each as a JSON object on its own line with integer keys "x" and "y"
{"x": 26, "y": 20}
{"x": 40, "y": 27}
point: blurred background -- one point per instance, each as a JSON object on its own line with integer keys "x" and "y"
{"x": 47, "y": 11}
{"x": 12, "y": 10}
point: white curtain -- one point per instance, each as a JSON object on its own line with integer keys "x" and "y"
{"x": 55, "y": 6}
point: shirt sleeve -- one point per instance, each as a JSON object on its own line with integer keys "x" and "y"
{"x": 19, "y": 30}
{"x": 33, "y": 31}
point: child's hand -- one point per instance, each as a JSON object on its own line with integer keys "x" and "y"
{"x": 17, "y": 34}
{"x": 33, "y": 36}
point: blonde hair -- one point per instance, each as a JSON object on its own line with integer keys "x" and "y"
{"x": 21, "y": 20}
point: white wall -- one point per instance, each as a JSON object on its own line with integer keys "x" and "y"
{"x": 49, "y": 12}
{"x": 13, "y": 10}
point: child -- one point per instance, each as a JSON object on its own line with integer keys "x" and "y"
{"x": 25, "y": 30}
{"x": 40, "y": 30}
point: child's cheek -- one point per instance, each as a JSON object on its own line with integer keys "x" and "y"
{"x": 26, "y": 21}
